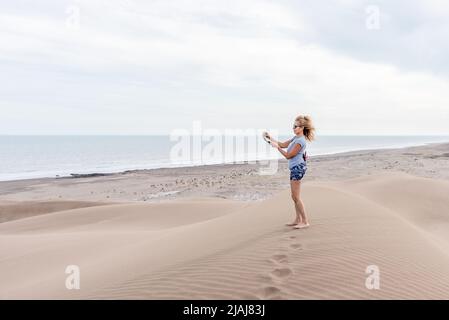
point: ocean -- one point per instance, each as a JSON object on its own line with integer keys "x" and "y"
{"x": 23, "y": 157}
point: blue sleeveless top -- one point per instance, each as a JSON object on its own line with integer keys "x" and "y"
{"x": 296, "y": 160}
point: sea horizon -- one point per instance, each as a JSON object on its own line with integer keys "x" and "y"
{"x": 50, "y": 156}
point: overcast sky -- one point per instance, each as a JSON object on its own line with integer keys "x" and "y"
{"x": 149, "y": 67}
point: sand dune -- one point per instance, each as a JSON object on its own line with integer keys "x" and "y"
{"x": 422, "y": 201}
{"x": 212, "y": 248}
{"x": 14, "y": 210}
{"x": 121, "y": 217}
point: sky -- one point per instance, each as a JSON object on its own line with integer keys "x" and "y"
{"x": 152, "y": 67}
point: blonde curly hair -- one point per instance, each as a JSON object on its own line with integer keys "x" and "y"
{"x": 306, "y": 123}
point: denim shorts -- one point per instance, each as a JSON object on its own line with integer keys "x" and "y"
{"x": 297, "y": 172}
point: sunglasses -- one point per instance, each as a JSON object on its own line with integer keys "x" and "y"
{"x": 295, "y": 126}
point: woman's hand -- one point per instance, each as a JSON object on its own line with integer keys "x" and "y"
{"x": 267, "y": 135}
{"x": 274, "y": 144}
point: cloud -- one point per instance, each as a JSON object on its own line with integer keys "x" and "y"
{"x": 134, "y": 67}
{"x": 411, "y": 35}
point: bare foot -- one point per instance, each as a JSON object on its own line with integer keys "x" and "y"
{"x": 294, "y": 223}
{"x": 301, "y": 226}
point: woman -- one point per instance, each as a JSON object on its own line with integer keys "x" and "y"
{"x": 297, "y": 163}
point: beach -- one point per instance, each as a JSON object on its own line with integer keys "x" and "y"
{"x": 218, "y": 231}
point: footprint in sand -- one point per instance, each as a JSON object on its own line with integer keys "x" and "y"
{"x": 270, "y": 292}
{"x": 296, "y": 246}
{"x": 291, "y": 242}
{"x": 280, "y": 258}
{"x": 281, "y": 269}
{"x": 282, "y": 272}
